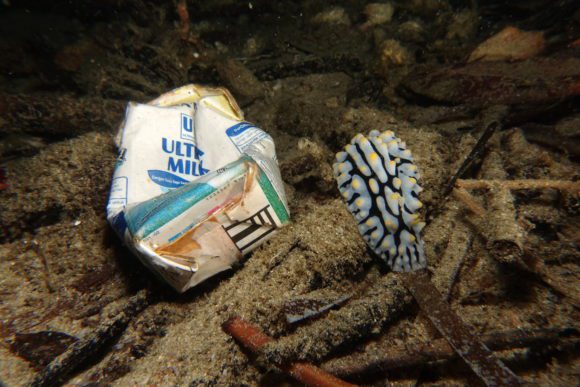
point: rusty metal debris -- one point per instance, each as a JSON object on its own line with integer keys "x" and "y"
{"x": 300, "y": 309}
{"x": 467, "y": 345}
{"x": 254, "y": 339}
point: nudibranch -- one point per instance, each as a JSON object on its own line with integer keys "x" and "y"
{"x": 378, "y": 180}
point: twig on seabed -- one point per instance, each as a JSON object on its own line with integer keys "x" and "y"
{"x": 479, "y": 358}
{"x": 505, "y": 239}
{"x": 564, "y": 287}
{"x": 47, "y": 273}
{"x": 183, "y": 19}
{"x": 473, "y": 155}
{"x": 405, "y": 356}
{"x": 254, "y": 339}
{"x": 76, "y": 355}
{"x": 469, "y": 201}
{"x": 562, "y": 185}
{"x": 539, "y": 269}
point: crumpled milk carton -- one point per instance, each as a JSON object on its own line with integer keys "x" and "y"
{"x": 195, "y": 186}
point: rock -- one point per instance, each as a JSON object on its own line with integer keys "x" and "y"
{"x": 333, "y": 16}
{"x": 536, "y": 81}
{"x": 411, "y": 31}
{"x": 378, "y": 13}
{"x": 393, "y": 53}
{"x": 509, "y": 44}
{"x": 309, "y": 167}
{"x": 569, "y": 127}
{"x": 242, "y": 83}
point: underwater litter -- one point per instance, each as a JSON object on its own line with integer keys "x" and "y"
{"x": 195, "y": 187}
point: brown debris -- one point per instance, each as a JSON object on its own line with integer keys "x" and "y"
{"x": 323, "y": 85}
{"x": 458, "y": 251}
{"x": 565, "y": 287}
{"x": 529, "y": 161}
{"x": 255, "y": 340}
{"x": 81, "y": 351}
{"x": 521, "y": 184}
{"x": 183, "y": 19}
{"x": 509, "y": 44}
{"x": 47, "y": 275}
{"x": 496, "y": 115}
{"x": 500, "y": 224}
{"x": 300, "y": 309}
{"x": 504, "y": 234}
{"x": 481, "y": 360}
{"x": 383, "y": 302}
{"x": 40, "y": 348}
{"x": 240, "y": 81}
{"x": 418, "y": 354}
{"x": 469, "y": 201}
{"x": 532, "y": 81}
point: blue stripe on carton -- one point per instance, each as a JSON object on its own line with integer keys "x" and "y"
{"x": 238, "y": 129}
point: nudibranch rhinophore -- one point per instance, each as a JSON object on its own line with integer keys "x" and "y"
{"x": 378, "y": 180}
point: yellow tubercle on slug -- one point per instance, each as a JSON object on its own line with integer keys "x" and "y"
{"x": 397, "y": 183}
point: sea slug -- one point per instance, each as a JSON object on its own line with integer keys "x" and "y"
{"x": 378, "y": 180}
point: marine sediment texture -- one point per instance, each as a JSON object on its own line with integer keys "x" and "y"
{"x": 377, "y": 178}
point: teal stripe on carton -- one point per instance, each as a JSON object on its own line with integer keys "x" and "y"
{"x": 146, "y": 217}
{"x": 272, "y": 196}
{"x": 149, "y": 216}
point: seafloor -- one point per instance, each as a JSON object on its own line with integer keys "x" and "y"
{"x": 312, "y": 74}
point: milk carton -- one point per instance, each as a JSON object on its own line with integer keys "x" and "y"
{"x": 195, "y": 187}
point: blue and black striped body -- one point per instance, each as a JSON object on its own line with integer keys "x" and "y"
{"x": 377, "y": 178}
